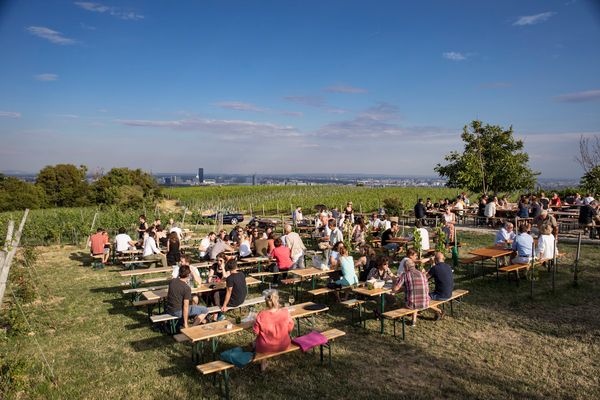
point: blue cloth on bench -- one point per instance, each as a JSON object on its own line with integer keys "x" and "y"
{"x": 237, "y": 357}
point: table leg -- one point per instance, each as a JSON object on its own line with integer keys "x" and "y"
{"x": 313, "y": 282}
{"x": 497, "y": 268}
{"x": 382, "y": 310}
{"x": 214, "y": 348}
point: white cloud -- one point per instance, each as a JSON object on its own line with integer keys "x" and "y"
{"x": 50, "y": 35}
{"x": 223, "y": 129}
{"x": 533, "y": 19}
{"x": 10, "y": 114}
{"x": 579, "y": 97}
{"x": 344, "y": 89}
{"x": 454, "y": 56}
{"x": 293, "y": 113}
{"x": 114, "y": 11}
{"x": 239, "y": 106}
{"x": 312, "y": 101}
{"x": 46, "y": 77}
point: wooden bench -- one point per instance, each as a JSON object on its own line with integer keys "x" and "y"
{"x": 401, "y": 313}
{"x": 222, "y": 367}
{"x": 168, "y": 319}
{"x": 354, "y": 304}
{"x": 516, "y": 268}
{"x": 96, "y": 262}
{"x": 148, "y": 303}
{"x": 320, "y": 291}
{"x": 131, "y": 263}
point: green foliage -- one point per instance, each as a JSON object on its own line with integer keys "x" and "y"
{"x": 65, "y": 185}
{"x": 417, "y": 245}
{"x": 590, "y": 182}
{"x": 125, "y": 188}
{"x": 492, "y": 160}
{"x": 14, "y": 374}
{"x": 440, "y": 240}
{"x": 16, "y": 194}
{"x": 393, "y": 206}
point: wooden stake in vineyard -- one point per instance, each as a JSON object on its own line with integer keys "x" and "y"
{"x": 9, "y": 250}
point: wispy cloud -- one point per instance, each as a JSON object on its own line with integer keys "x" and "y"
{"x": 10, "y": 114}
{"x": 533, "y": 19}
{"x": 374, "y": 122}
{"x": 223, "y": 129}
{"x": 87, "y": 27}
{"x": 344, "y": 89}
{"x": 292, "y": 113}
{"x": 579, "y": 97}
{"x": 114, "y": 11}
{"x": 50, "y": 35}
{"x": 68, "y": 116}
{"x": 46, "y": 77}
{"x": 312, "y": 101}
{"x": 240, "y": 106}
{"x": 335, "y": 110}
{"x": 495, "y": 85}
{"x": 454, "y": 56}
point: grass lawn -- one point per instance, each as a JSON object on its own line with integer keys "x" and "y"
{"x": 500, "y": 344}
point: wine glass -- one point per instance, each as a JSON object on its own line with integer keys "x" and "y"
{"x": 291, "y": 300}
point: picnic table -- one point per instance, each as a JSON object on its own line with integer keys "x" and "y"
{"x": 213, "y": 331}
{"x": 134, "y": 273}
{"x": 309, "y": 273}
{"x": 381, "y": 292}
{"x": 203, "y": 288}
{"x": 492, "y": 252}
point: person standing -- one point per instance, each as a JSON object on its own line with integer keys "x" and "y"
{"x": 294, "y": 242}
{"x": 142, "y": 227}
{"x": 173, "y": 253}
{"x": 420, "y": 211}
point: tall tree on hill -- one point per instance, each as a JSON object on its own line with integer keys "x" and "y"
{"x": 18, "y": 195}
{"x": 491, "y": 160}
{"x": 65, "y": 185}
{"x": 125, "y": 187}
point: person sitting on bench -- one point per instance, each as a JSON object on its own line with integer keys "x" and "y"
{"x": 415, "y": 285}
{"x": 123, "y": 241}
{"x": 546, "y": 244}
{"x": 283, "y": 260}
{"x": 179, "y": 297}
{"x": 272, "y": 327}
{"x": 444, "y": 281}
{"x": 98, "y": 242}
{"x": 523, "y": 246}
{"x": 151, "y": 250}
{"x": 349, "y": 277}
{"x": 236, "y": 287}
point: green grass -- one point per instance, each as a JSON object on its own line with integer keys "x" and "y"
{"x": 500, "y": 344}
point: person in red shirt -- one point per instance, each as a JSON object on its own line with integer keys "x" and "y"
{"x": 555, "y": 201}
{"x": 283, "y": 259}
{"x": 100, "y": 244}
{"x": 272, "y": 327}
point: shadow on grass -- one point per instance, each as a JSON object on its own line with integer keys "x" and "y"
{"x": 152, "y": 343}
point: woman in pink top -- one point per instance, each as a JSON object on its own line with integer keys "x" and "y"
{"x": 283, "y": 259}
{"x": 272, "y": 327}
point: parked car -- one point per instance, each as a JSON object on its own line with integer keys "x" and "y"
{"x": 229, "y": 217}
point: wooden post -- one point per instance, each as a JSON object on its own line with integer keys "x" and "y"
{"x": 9, "y": 234}
{"x": 89, "y": 242}
{"x": 554, "y": 265}
{"x": 10, "y": 251}
{"x": 532, "y": 271}
{"x": 576, "y": 265}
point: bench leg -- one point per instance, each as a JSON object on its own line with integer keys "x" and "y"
{"x": 451, "y": 308}
{"x": 394, "y": 327}
{"x": 403, "y": 329}
{"x": 329, "y": 348}
{"x": 226, "y": 383}
{"x": 321, "y": 351}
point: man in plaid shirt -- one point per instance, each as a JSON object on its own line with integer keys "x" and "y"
{"x": 415, "y": 285}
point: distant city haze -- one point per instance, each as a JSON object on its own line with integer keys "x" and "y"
{"x": 306, "y": 87}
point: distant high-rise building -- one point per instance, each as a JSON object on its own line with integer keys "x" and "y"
{"x": 200, "y": 175}
{"x": 254, "y": 180}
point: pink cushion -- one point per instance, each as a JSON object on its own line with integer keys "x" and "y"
{"x": 310, "y": 340}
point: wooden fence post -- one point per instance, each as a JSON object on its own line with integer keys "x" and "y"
{"x": 10, "y": 253}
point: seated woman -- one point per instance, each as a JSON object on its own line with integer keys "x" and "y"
{"x": 272, "y": 327}
{"x": 382, "y": 271}
{"x": 283, "y": 259}
{"x": 366, "y": 261}
{"x": 546, "y": 244}
{"x": 335, "y": 255}
{"x": 245, "y": 250}
{"x": 349, "y": 277}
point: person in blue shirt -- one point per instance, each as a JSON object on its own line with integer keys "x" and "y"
{"x": 444, "y": 281}
{"x": 523, "y": 246}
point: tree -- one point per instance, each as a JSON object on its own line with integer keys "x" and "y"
{"x": 65, "y": 185}
{"x": 125, "y": 187}
{"x": 492, "y": 160}
{"x": 18, "y": 195}
{"x": 589, "y": 153}
{"x": 590, "y": 182}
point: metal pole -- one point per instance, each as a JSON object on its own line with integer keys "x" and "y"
{"x": 576, "y": 266}
{"x": 532, "y": 271}
{"x": 554, "y": 265}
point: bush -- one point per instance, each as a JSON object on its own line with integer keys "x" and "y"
{"x": 393, "y": 207}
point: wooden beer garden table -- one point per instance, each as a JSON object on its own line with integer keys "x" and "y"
{"x": 492, "y": 252}
{"x": 213, "y": 331}
{"x": 381, "y": 292}
{"x": 309, "y": 273}
{"x": 134, "y": 273}
{"x": 205, "y": 287}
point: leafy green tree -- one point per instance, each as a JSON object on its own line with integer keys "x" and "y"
{"x": 65, "y": 185}
{"x": 18, "y": 195}
{"x": 590, "y": 182}
{"x": 491, "y": 160}
{"x": 125, "y": 187}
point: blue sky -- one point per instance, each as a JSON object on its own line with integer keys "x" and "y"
{"x": 289, "y": 86}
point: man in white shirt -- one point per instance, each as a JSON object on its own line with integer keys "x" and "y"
{"x": 588, "y": 199}
{"x": 297, "y": 248}
{"x": 297, "y": 217}
{"x": 424, "y": 235}
{"x": 505, "y": 235}
{"x": 123, "y": 241}
{"x": 175, "y": 228}
{"x": 152, "y": 252}
{"x": 374, "y": 222}
{"x": 206, "y": 244}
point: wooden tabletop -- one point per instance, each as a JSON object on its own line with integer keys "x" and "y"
{"x": 308, "y": 272}
{"x": 398, "y": 240}
{"x": 371, "y": 292}
{"x": 491, "y": 252}
{"x": 205, "y": 287}
{"x": 252, "y": 260}
{"x": 147, "y": 271}
{"x": 300, "y": 311}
